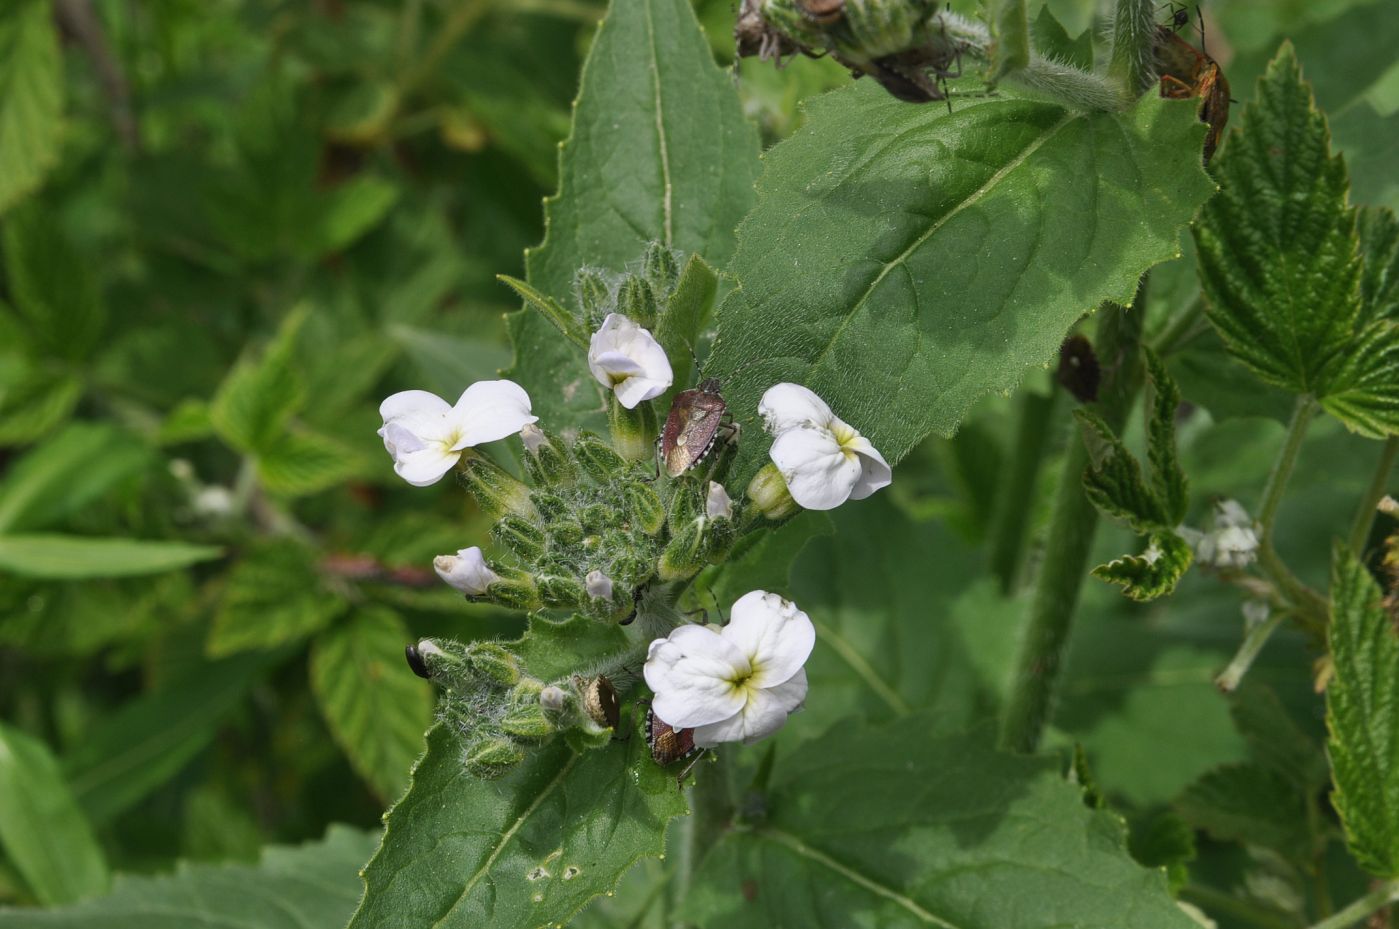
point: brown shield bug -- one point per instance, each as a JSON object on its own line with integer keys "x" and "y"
{"x": 668, "y": 745}
{"x": 824, "y": 12}
{"x": 696, "y": 417}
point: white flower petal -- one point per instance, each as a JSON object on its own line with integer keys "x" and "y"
{"x": 692, "y": 673}
{"x": 820, "y": 475}
{"x": 764, "y": 713}
{"x": 490, "y": 410}
{"x": 788, "y": 406}
{"x": 874, "y": 470}
{"x": 426, "y": 465}
{"x": 467, "y": 571}
{"x": 627, "y": 359}
{"x": 533, "y": 437}
{"x": 717, "y": 504}
{"x": 773, "y": 634}
{"x": 420, "y": 412}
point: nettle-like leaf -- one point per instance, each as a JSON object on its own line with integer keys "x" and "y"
{"x": 1152, "y": 505}
{"x": 659, "y": 152}
{"x": 528, "y": 849}
{"x": 1249, "y": 803}
{"x": 31, "y": 98}
{"x": 1362, "y": 714}
{"x": 376, "y": 712}
{"x": 310, "y": 886}
{"x": 272, "y": 596}
{"x": 974, "y": 839}
{"x": 904, "y": 262}
{"x": 1282, "y": 264}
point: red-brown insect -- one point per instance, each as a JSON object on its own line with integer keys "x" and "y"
{"x": 668, "y": 745}
{"x": 824, "y": 12}
{"x": 1188, "y": 72}
{"x": 691, "y": 427}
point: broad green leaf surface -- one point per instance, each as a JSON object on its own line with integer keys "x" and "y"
{"x": 298, "y": 462}
{"x": 659, "y": 151}
{"x": 31, "y": 98}
{"x": 1010, "y": 37}
{"x": 42, "y": 831}
{"x": 1251, "y": 804}
{"x": 1362, "y": 714}
{"x": 272, "y": 596}
{"x": 145, "y": 743}
{"x": 1280, "y": 260}
{"x": 448, "y": 364}
{"x": 66, "y": 474}
{"x": 376, "y": 710}
{"x": 71, "y": 557}
{"x": 261, "y": 393}
{"x": 903, "y": 262}
{"x": 310, "y": 886}
{"x": 528, "y": 850}
{"x": 1052, "y": 40}
{"x": 886, "y": 826}
{"x": 33, "y": 400}
{"x": 52, "y": 284}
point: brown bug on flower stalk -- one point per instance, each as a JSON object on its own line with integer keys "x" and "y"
{"x": 669, "y": 745}
{"x": 695, "y": 420}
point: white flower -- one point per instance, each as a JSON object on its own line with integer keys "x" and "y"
{"x": 735, "y": 684}
{"x": 718, "y": 505}
{"x": 426, "y": 436}
{"x": 823, "y": 460}
{"x": 1231, "y": 543}
{"x": 629, "y": 360}
{"x": 599, "y": 585}
{"x": 467, "y": 571}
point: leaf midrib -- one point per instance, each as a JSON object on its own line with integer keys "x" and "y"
{"x": 661, "y": 143}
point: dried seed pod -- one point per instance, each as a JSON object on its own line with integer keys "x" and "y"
{"x": 600, "y": 700}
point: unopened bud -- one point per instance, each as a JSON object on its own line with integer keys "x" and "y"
{"x": 769, "y": 493}
{"x": 598, "y": 585}
{"x": 493, "y": 663}
{"x": 565, "y": 532}
{"x": 553, "y": 699}
{"x": 562, "y": 592}
{"x": 644, "y": 506}
{"x": 598, "y": 516}
{"x": 661, "y": 266}
{"x": 594, "y": 296}
{"x": 633, "y": 431}
{"x": 598, "y": 458}
{"x": 466, "y": 571}
{"x": 521, "y": 536}
{"x": 515, "y": 590}
{"x": 549, "y": 505}
{"x": 684, "y": 555}
{"x": 489, "y": 757}
{"x": 717, "y": 504}
{"x": 527, "y": 721}
{"x": 637, "y": 301}
{"x": 686, "y": 506}
{"x": 630, "y": 570}
{"x": 546, "y": 459}
{"x": 496, "y": 492}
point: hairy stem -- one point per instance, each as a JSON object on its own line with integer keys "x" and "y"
{"x": 1134, "y": 45}
{"x": 1382, "y": 895}
{"x": 1012, "y": 520}
{"x": 1310, "y": 606}
{"x": 1254, "y": 640}
{"x": 1079, "y": 89}
{"x": 1070, "y": 539}
{"x": 1365, "y": 515}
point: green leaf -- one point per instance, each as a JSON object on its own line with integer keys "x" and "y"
{"x": 302, "y": 462}
{"x": 678, "y": 330}
{"x": 1164, "y": 840}
{"x": 1163, "y": 399}
{"x": 346, "y": 213}
{"x": 1274, "y": 740}
{"x": 1252, "y": 804}
{"x": 1280, "y": 260}
{"x": 527, "y": 850}
{"x": 1052, "y": 40}
{"x": 376, "y": 709}
{"x": 659, "y": 151}
{"x": 145, "y": 743}
{"x": 975, "y": 839}
{"x": 310, "y": 886}
{"x": 259, "y": 395}
{"x": 52, "y": 285}
{"x": 42, "y": 830}
{"x": 65, "y": 557}
{"x": 273, "y": 595}
{"x": 1362, "y": 714}
{"x": 1155, "y": 572}
{"x": 31, "y": 98}
{"x": 566, "y": 322}
{"x": 66, "y": 474}
{"x": 1114, "y": 480}
{"x": 1010, "y": 37}
{"x": 33, "y": 401}
{"x": 448, "y": 364}
{"x": 904, "y": 262}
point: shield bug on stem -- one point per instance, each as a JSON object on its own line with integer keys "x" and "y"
{"x": 669, "y": 745}
{"x": 696, "y": 418}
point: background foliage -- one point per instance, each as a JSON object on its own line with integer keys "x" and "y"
{"x": 227, "y": 230}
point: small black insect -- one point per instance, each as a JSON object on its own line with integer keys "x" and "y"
{"x": 415, "y": 661}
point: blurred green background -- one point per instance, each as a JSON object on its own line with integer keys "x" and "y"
{"x": 229, "y": 228}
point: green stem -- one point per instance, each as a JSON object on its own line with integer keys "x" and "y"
{"x": 1070, "y": 539}
{"x": 1219, "y": 902}
{"x": 1009, "y": 535}
{"x": 1311, "y": 606}
{"x": 1182, "y": 329}
{"x": 461, "y": 19}
{"x": 1081, "y": 89}
{"x": 1365, "y": 516}
{"x": 712, "y": 812}
{"x": 1134, "y": 45}
{"x": 1228, "y": 679}
{"x": 1381, "y": 896}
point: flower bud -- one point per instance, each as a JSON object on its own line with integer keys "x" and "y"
{"x": 564, "y": 532}
{"x": 629, "y": 570}
{"x": 488, "y": 757}
{"x": 515, "y": 590}
{"x": 885, "y": 28}
{"x": 598, "y": 516}
{"x": 562, "y": 592}
{"x": 684, "y": 555}
{"x": 527, "y": 721}
{"x": 547, "y": 461}
{"x": 553, "y": 699}
{"x": 769, "y": 493}
{"x": 521, "y": 536}
{"x": 466, "y": 571}
{"x": 493, "y": 663}
{"x": 717, "y": 504}
{"x": 598, "y": 585}
{"x": 597, "y": 458}
{"x": 644, "y": 507}
{"x": 496, "y": 492}
{"x": 685, "y": 507}
{"x": 549, "y": 505}
{"x": 633, "y": 431}
{"x": 661, "y": 265}
{"x": 637, "y": 301}
{"x": 594, "y": 296}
